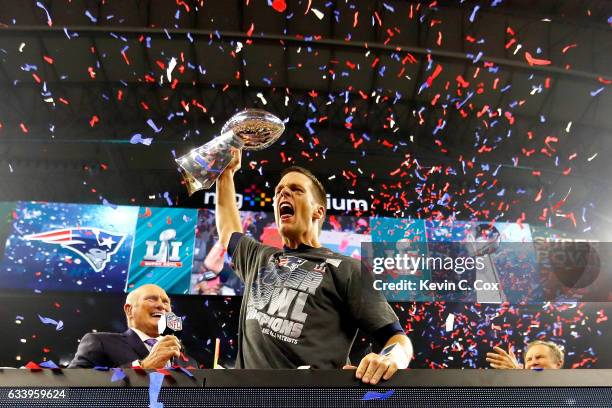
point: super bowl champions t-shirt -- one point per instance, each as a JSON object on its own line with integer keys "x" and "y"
{"x": 301, "y": 307}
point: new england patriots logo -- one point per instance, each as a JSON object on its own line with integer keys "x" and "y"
{"x": 94, "y": 245}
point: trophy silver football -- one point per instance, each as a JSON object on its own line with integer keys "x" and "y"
{"x": 250, "y": 129}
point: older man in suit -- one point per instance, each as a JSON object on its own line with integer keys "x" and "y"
{"x": 140, "y": 345}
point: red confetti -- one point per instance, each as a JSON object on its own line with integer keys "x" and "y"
{"x": 279, "y": 5}
{"x": 435, "y": 74}
{"x": 125, "y": 57}
{"x": 535, "y": 61}
{"x": 94, "y": 120}
{"x": 568, "y": 47}
{"x": 538, "y": 196}
{"x": 33, "y": 366}
{"x": 604, "y": 81}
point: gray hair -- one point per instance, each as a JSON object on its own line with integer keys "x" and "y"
{"x": 555, "y": 350}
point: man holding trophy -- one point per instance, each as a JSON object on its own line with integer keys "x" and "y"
{"x": 303, "y": 304}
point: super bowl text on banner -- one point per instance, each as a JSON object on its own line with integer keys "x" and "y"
{"x": 163, "y": 249}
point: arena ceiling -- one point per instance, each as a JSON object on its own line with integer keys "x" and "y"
{"x": 491, "y": 110}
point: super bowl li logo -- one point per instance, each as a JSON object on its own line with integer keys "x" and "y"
{"x": 168, "y": 252}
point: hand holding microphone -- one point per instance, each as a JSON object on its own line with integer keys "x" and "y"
{"x": 169, "y": 347}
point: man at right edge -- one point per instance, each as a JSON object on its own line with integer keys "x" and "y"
{"x": 303, "y": 304}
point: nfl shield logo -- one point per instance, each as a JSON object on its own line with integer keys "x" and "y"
{"x": 174, "y": 322}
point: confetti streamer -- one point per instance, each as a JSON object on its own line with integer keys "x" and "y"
{"x": 137, "y": 138}
{"x": 59, "y": 325}
{"x": 535, "y": 61}
{"x": 474, "y": 11}
{"x": 155, "y": 383}
{"x": 171, "y": 66}
{"x": 49, "y": 21}
{"x": 153, "y": 126}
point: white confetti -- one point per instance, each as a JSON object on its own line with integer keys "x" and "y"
{"x": 262, "y": 99}
{"x": 569, "y": 125}
{"x": 21, "y": 47}
{"x": 450, "y": 322}
{"x": 318, "y": 14}
{"x": 592, "y": 157}
{"x": 171, "y": 66}
{"x": 238, "y": 47}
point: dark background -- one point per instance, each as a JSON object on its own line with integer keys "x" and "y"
{"x": 353, "y": 94}
{"x": 582, "y": 329}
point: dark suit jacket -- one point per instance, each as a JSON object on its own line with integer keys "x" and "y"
{"x": 115, "y": 350}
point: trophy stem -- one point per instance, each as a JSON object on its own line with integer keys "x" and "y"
{"x": 202, "y": 166}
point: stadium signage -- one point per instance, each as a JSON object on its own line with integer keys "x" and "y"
{"x": 262, "y": 201}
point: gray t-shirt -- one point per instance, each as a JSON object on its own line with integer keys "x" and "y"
{"x": 301, "y": 307}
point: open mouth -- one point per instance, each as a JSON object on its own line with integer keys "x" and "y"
{"x": 285, "y": 211}
{"x": 157, "y": 315}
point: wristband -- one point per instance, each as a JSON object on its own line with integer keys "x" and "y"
{"x": 397, "y": 354}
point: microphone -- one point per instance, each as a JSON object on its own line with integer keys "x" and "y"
{"x": 170, "y": 324}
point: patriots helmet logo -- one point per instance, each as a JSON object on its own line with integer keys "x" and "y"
{"x": 94, "y": 245}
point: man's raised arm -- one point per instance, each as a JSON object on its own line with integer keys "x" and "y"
{"x": 226, "y": 214}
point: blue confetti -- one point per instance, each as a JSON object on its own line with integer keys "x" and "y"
{"x": 108, "y": 203}
{"x": 49, "y": 21}
{"x": 373, "y": 395}
{"x": 118, "y": 374}
{"x": 153, "y": 126}
{"x": 168, "y": 200}
{"x": 596, "y": 92}
{"x": 184, "y": 371}
{"x": 388, "y": 7}
{"x": 91, "y": 17}
{"x": 101, "y": 368}
{"x": 155, "y": 384}
{"x": 473, "y": 15}
{"x": 308, "y": 125}
{"x": 137, "y": 138}
{"x": 49, "y": 364}
{"x": 59, "y": 325}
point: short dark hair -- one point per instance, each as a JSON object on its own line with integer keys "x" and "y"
{"x": 319, "y": 190}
